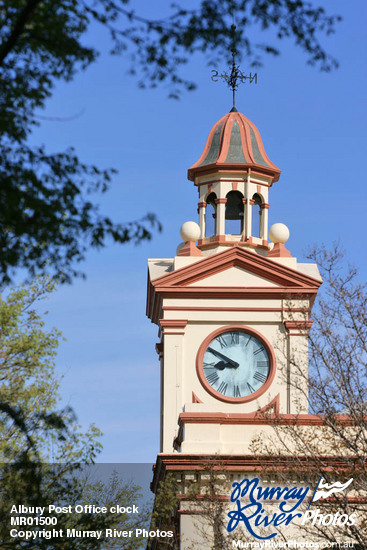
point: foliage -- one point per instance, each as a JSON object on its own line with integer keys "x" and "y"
{"x": 202, "y": 493}
{"x": 32, "y": 430}
{"x": 43, "y": 451}
{"x": 48, "y": 214}
{"x": 338, "y": 341}
{"x": 164, "y": 511}
{"x": 124, "y": 494}
{"x": 28, "y": 391}
{"x": 212, "y": 519}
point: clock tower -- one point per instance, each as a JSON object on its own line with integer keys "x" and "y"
{"x": 233, "y": 313}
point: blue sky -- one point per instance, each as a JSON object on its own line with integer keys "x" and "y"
{"x": 313, "y": 127}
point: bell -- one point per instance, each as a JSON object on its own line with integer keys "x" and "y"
{"x": 234, "y": 208}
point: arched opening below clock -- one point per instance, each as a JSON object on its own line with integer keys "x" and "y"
{"x": 256, "y": 216}
{"x": 234, "y": 213}
{"x": 210, "y": 215}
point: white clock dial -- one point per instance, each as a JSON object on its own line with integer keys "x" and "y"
{"x": 236, "y": 364}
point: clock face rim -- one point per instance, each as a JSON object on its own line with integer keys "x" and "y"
{"x": 247, "y": 330}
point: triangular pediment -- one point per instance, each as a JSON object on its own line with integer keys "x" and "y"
{"x": 236, "y": 267}
{"x": 234, "y": 276}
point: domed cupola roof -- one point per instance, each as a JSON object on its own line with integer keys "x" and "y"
{"x": 234, "y": 144}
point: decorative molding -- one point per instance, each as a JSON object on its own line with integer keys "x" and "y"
{"x": 298, "y": 328}
{"x": 252, "y": 201}
{"x": 195, "y": 398}
{"x": 272, "y": 406}
{"x": 210, "y": 242}
{"x": 238, "y": 292}
{"x": 238, "y": 257}
{"x": 220, "y": 201}
{"x": 234, "y": 185}
{"x": 218, "y": 180}
{"x": 240, "y": 179}
{"x": 181, "y": 462}
{"x": 189, "y": 249}
{"x": 258, "y": 419}
{"x": 279, "y": 251}
{"x": 292, "y": 283}
{"x": 242, "y": 309}
{"x": 173, "y": 323}
{"x": 264, "y": 206}
{"x": 262, "y": 183}
{"x": 167, "y": 324}
{"x": 238, "y": 169}
{"x": 302, "y": 324}
{"x": 202, "y": 204}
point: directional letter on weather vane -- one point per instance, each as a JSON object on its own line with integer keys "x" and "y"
{"x": 235, "y": 77}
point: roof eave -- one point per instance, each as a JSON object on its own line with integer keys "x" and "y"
{"x": 195, "y": 171}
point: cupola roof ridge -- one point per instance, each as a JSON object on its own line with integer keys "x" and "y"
{"x": 234, "y": 144}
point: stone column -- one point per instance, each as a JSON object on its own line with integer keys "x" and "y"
{"x": 248, "y": 218}
{"x": 264, "y": 221}
{"x": 297, "y": 366}
{"x": 173, "y": 332}
{"x": 220, "y": 222}
{"x": 245, "y": 219}
{"x": 202, "y": 218}
{"x": 159, "y": 350}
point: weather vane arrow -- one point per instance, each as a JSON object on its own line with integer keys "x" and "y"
{"x": 236, "y": 76}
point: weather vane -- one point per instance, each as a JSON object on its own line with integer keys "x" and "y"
{"x": 236, "y": 76}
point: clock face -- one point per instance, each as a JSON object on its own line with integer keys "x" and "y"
{"x": 236, "y": 364}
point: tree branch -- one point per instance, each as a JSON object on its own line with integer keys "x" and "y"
{"x": 23, "y": 18}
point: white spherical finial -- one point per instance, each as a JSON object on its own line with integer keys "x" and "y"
{"x": 190, "y": 231}
{"x": 279, "y": 233}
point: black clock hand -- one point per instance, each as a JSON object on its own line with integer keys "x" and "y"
{"x": 226, "y": 359}
{"x": 221, "y": 365}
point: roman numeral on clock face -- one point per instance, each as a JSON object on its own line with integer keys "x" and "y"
{"x": 212, "y": 378}
{"x": 259, "y": 350}
{"x": 235, "y": 338}
{"x": 222, "y": 342}
{"x": 250, "y": 388}
{"x": 261, "y": 377}
{"x": 208, "y": 365}
{"x": 236, "y": 391}
{"x": 222, "y": 388}
{"x": 262, "y": 364}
